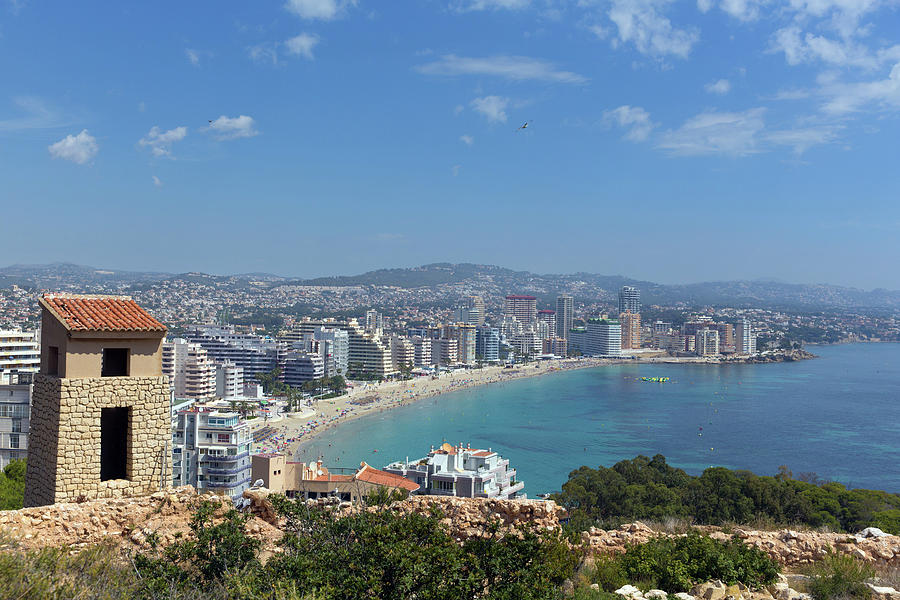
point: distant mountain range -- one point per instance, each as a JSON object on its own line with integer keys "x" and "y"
{"x": 485, "y": 278}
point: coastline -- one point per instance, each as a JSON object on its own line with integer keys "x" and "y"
{"x": 296, "y": 433}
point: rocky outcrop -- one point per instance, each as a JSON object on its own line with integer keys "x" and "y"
{"x": 164, "y": 516}
{"x": 788, "y": 547}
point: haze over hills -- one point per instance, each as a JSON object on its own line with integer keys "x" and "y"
{"x": 498, "y": 280}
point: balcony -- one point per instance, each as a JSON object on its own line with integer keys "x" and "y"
{"x": 218, "y": 471}
{"x": 225, "y": 484}
{"x": 223, "y": 457}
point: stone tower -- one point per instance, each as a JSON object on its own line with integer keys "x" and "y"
{"x": 100, "y": 420}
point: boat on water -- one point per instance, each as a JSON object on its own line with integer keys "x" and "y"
{"x": 655, "y": 379}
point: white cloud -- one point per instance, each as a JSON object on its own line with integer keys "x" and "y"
{"x": 634, "y": 118}
{"x": 455, "y": 169}
{"x": 744, "y": 10}
{"x": 38, "y": 115}
{"x": 302, "y": 45}
{"x": 156, "y": 181}
{"x": 80, "y": 149}
{"x": 732, "y": 134}
{"x": 466, "y": 139}
{"x": 457, "y": 110}
{"x": 799, "y": 48}
{"x": 264, "y": 53}
{"x": 160, "y": 142}
{"x": 850, "y": 97}
{"x": 193, "y": 56}
{"x": 802, "y": 139}
{"x": 640, "y": 22}
{"x": 493, "y": 4}
{"x": 324, "y": 10}
{"x": 232, "y": 128}
{"x": 492, "y": 107}
{"x": 721, "y": 87}
{"x": 516, "y": 68}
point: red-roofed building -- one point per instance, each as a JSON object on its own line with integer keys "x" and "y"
{"x": 313, "y": 480}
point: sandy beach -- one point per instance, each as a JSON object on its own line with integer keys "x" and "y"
{"x": 366, "y": 398}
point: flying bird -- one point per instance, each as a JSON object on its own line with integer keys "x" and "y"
{"x": 524, "y": 126}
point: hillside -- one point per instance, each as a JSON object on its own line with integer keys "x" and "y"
{"x": 486, "y": 279}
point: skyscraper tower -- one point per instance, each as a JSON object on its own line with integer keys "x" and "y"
{"x": 629, "y": 300}
{"x": 477, "y": 303}
{"x": 523, "y": 308}
{"x": 565, "y": 312}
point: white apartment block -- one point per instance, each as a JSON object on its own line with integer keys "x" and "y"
{"x": 603, "y": 337}
{"x": 422, "y": 350}
{"x": 299, "y": 367}
{"x": 191, "y": 372}
{"x": 211, "y": 451}
{"x": 15, "y": 418}
{"x": 706, "y": 342}
{"x": 229, "y": 380}
{"x": 403, "y": 352}
{"x": 20, "y": 352}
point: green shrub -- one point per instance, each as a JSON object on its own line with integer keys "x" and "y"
{"x": 649, "y": 489}
{"x": 840, "y": 576}
{"x": 675, "y": 564}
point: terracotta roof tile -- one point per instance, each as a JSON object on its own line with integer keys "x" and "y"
{"x": 373, "y": 475}
{"x": 100, "y": 313}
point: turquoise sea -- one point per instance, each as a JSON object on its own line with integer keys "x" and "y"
{"x": 837, "y": 416}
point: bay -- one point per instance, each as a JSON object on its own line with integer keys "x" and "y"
{"x": 837, "y": 416}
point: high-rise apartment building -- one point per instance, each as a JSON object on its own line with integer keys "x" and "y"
{"x": 403, "y": 352}
{"x": 477, "y": 303}
{"x": 229, "y": 380}
{"x": 706, "y": 342}
{"x": 744, "y": 339}
{"x": 367, "y": 353}
{"x": 565, "y": 313}
{"x": 444, "y": 351}
{"x": 190, "y": 371}
{"x": 252, "y": 353}
{"x": 631, "y": 330}
{"x": 374, "y": 321}
{"x": 469, "y": 316}
{"x": 421, "y": 350}
{"x": 465, "y": 341}
{"x": 523, "y": 308}
{"x": 629, "y": 300}
{"x": 487, "y": 343}
{"x": 335, "y": 349}
{"x": 211, "y": 451}
{"x": 549, "y": 318}
{"x": 604, "y": 337}
{"x": 15, "y": 417}
{"x": 726, "y": 337}
{"x": 20, "y": 352}
{"x": 298, "y": 367}
{"x": 557, "y": 346}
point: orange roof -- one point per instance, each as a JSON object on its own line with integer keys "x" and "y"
{"x": 482, "y": 453}
{"x": 100, "y": 313}
{"x": 373, "y": 475}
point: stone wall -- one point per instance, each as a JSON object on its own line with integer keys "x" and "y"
{"x": 64, "y": 448}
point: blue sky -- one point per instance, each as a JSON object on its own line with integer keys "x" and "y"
{"x": 669, "y": 141}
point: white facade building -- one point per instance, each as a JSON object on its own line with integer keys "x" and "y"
{"x": 603, "y": 337}
{"x": 20, "y": 352}
{"x": 211, "y": 451}
{"x": 191, "y": 372}
{"x": 229, "y": 380}
{"x": 15, "y": 418}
